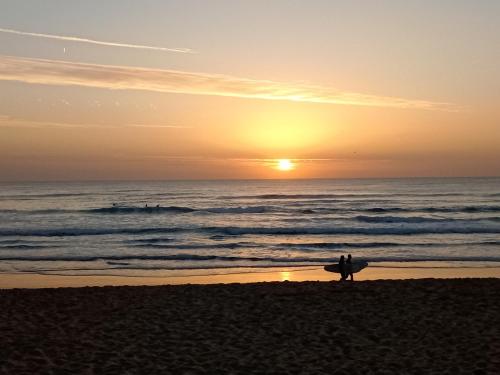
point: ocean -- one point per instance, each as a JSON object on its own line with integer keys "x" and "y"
{"x": 178, "y": 228}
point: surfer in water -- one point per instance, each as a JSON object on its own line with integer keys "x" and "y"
{"x": 342, "y": 269}
{"x": 348, "y": 268}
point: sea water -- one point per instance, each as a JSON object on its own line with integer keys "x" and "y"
{"x": 173, "y": 228}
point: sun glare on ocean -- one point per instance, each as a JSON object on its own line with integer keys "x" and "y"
{"x": 285, "y": 165}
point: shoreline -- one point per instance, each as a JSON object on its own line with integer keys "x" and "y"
{"x": 36, "y": 281}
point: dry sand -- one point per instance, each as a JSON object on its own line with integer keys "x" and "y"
{"x": 371, "y": 327}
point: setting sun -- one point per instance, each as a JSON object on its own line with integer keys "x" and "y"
{"x": 350, "y": 148}
{"x": 285, "y": 165}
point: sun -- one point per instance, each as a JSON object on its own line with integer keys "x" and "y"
{"x": 285, "y": 164}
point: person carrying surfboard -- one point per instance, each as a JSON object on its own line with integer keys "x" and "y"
{"x": 342, "y": 269}
{"x": 348, "y": 268}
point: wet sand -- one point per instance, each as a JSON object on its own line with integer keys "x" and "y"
{"x": 426, "y": 326}
{"x": 32, "y": 280}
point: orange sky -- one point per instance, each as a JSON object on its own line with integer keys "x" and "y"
{"x": 224, "y": 91}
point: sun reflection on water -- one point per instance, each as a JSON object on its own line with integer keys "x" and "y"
{"x": 285, "y": 276}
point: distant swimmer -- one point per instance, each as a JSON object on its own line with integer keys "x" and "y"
{"x": 146, "y": 206}
{"x": 157, "y": 206}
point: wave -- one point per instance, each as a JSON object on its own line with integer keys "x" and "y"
{"x": 399, "y": 230}
{"x": 117, "y": 263}
{"x": 10, "y": 242}
{"x": 155, "y": 210}
{"x": 313, "y": 246}
{"x": 291, "y": 208}
{"x": 233, "y": 259}
{"x": 398, "y": 219}
{"x": 354, "y": 245}
{"x": 152, "y": 240}
{"x": 438, "y": 228}
{"x": 109, "y": 210}
{"x": 75, "y": 232}
{"x": 370, "y": 245}
{"x": 466, "y": 209}
{"x": 24, "y": 247}
{"x": 176, "y": 257}
{"x": 288, "y": 196}
{"x": 181, "y": 210}
{"x": 239, "y": 210}
{"x": 140, "y": 210}
{"x": 226, "y": 245}
{"x": 417, "y": 219}
{"x": 487, "y": 243}
{"x": 454, "y": 209}
{"x": 340, "y": 195}
{"x": 309, "y": 246}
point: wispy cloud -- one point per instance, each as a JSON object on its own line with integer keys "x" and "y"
{"x": 156, "y": 126}
{"x": 250, "y": 161}
{"x": 7, "y": 121}
{"x": 55, "y": 72}
{"x": 93, "y": 41}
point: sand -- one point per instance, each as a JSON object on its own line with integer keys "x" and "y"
{"x": 33, "y": 280}
{"x": 370, "y": 327}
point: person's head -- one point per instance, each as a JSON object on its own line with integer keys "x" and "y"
{"x": 341, "y": 257}
{"x": 349, "y": 256}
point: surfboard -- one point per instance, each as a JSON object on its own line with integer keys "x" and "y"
{"x": 355, "y": 267}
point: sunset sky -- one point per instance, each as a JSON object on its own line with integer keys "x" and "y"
{"x": 134, "y": 90}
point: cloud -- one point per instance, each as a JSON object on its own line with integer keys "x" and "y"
{"x": 250, "y": 161}
{"x": 55, "y": 72}
{"x": 93, "y": 41}
{"x": 17, "y": 122}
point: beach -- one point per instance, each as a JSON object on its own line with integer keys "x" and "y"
{"x": 417, "y": 270}
{"x": 432, "y": 326}
{"x": 249, "y": 187}
{"x": 227, "y": 277}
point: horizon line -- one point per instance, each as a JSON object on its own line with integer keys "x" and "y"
{"x": 244, "y": 179}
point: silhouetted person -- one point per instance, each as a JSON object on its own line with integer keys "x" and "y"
{"x": 342, "y": 268}
{"x": 348, "y": 268}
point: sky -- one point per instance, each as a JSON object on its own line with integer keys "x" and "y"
{"x": 223, "y": 89}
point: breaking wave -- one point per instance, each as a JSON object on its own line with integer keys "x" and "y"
{"x": 293, "y": 208}
{"x": 282, "y": 261}
{"x": 418, "y": 219}
{"x": 436, "y": 228}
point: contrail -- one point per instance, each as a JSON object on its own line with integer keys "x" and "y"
{"x": 56, "y": 72}
{"x": 16, "y": 122}
{"x": 98, "y": 42}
